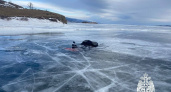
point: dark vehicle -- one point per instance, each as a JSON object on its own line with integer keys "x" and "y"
{"x": 88, "y": 43}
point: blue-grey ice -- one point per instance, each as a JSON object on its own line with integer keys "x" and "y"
{"x": 39, "y": 62}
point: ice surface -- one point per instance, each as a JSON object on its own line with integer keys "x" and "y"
{"x": 38, "y": 62}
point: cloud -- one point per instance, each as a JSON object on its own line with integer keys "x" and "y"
{"x": 111, "y": 11}
{"x": 65, "y": 11}
{"x": 142, "y": 11}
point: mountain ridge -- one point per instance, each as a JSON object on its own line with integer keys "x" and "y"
{"x": 73, "y": 20}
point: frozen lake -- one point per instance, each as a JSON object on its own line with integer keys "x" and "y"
{"x": 39, "y": 62}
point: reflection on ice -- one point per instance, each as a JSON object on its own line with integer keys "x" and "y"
{"x": 40, "y": 63}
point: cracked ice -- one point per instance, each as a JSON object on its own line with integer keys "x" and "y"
{"x": 40, "y": 62}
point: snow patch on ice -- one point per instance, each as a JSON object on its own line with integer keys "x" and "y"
{"x": 32, "y": 26}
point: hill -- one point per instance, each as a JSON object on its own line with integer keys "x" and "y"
{"x": 8, "y": 9}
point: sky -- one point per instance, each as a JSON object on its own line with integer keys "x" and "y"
{"x": 136, "y": 12}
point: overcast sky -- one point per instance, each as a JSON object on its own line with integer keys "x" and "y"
{"x": 138, "y": 12}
